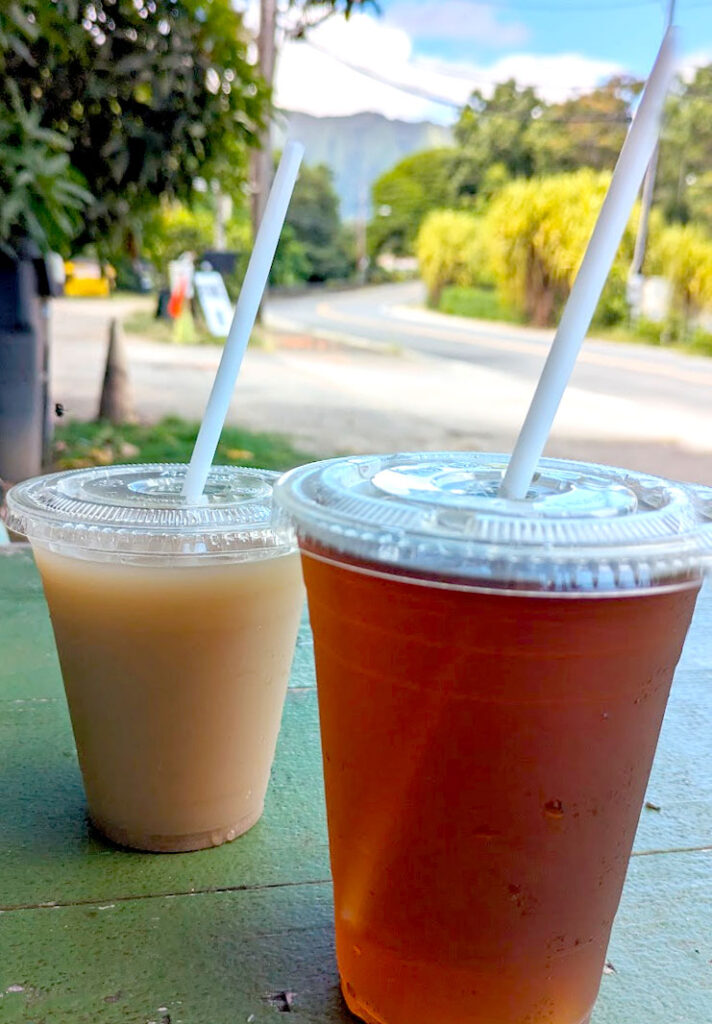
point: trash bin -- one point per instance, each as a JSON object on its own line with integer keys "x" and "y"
{"x": 25, "y": 425}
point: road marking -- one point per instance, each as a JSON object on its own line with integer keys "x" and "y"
{"x": 533, "y": 347}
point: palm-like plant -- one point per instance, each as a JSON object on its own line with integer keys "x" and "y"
{"x": 42, "y": 197}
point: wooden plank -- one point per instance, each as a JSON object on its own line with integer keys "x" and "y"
{"x": 49, "y": 853}
{"x": 214, "y": 958}
{"x": 210, "y": 935}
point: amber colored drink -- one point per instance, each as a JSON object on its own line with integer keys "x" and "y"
{"x": 486, "y": 755}
{"x": 175, "y": 678}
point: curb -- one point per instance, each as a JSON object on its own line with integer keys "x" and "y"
{"x": 282, "y": 325}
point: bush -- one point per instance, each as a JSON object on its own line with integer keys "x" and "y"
{"x": 404, "y": 195}
{"x": 683, "y": 254}
{"x": 674, "y": 331}
{"x": 613, "y": 305}
{"x": 291, "y": 265}
{"x": 481, "y": 303}
{"x": 173, "y": 228}
{"x": 653, "y": 332}
{"x": 537, "y": 232}
{"x": 450, "y": 251}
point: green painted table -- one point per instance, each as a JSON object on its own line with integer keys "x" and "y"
{"x": 89, "y": 933}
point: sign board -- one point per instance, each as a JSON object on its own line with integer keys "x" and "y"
{"x": 214, "y": 301}
{"x": 656, "y": 298}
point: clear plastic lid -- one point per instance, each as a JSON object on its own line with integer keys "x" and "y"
{"x": 438, "y": 514}
{"x": 139, "y": 511}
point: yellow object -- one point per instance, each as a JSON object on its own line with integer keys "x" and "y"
{"x": 87, "y": 278}
{"x": 84, "y": 287}
{"x": 239, "y": 454}
{"x": 184, "y": 326}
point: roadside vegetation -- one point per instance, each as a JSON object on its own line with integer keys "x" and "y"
{"x": 499, "y": 223}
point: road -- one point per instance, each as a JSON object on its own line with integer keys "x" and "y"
{"x": 393, "y": 316}
{"x": 371, "y": 369}
{"x": 647, "y": 407}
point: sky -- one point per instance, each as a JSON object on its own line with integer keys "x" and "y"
{"x": 444, "y": 48}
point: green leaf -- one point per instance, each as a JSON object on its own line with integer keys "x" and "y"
{"x": 83, "y": 195}
{"x": 30, "y": 29}
{"x": 22, "y": 50}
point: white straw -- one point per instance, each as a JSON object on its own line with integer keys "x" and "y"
{"x": 243, "y": 321}
{"x": 581, "y": 305}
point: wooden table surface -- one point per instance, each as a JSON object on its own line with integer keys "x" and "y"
{"x": 90, "y": 933}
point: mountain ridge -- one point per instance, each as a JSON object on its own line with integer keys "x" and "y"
{"x": 358, "y": 148}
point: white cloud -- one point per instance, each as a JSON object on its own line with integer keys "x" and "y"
{"x": 693, "y": 61}
{"x": 458, "y": 20}
{"x": 312, "y": 76}
{"x": 555, "y": 77}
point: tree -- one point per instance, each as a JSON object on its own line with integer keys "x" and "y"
{"x": 41, "y": 197}
{"x": 173, "y": 228}
{"x": 684, "y": 178}
{"x": 450, "y": 251}
{"x": 313, "y": 217}
{"x": 147, "y": 93}
{"x": 495, "y": 130}
{"x": 585, "y": 131}
{"x": 291, "y": 265}
{"x": 402, "y": 197}
{"x": 311, "y": 13}
{"x": 537, "y": 233}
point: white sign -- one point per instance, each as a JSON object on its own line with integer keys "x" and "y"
{"x": 655, "y": 300}
{"x": 214, "y": 301}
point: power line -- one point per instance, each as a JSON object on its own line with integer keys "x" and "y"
{"x": 480, "y": 78}
{"x": 446, "y": 101}
{"x": 592, "y": 8}
{"x": 413, "y": 90}
{"x": 577, "y": 7}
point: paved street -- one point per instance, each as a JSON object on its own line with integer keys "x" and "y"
{"x": 371, "y": 369}
{"x": 394, "y": 316}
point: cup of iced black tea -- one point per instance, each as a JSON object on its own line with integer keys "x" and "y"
{"x": 492, "y": 678}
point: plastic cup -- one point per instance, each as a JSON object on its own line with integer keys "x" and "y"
{"x": 175, "y": 627}
{"x": 492, "y": 678}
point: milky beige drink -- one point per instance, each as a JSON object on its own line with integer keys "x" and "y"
{"x": 175, "y": 628}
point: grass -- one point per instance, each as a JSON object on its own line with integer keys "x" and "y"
{"x": 78, "y": 444}
{"x": 147, "y": 325}
{"x": 480, "y": 303}
{"x": 697, "y": 343}
{"x": 484, "y": 304}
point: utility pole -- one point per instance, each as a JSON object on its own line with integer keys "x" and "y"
{"x": 361, "y": 234}
{"x": 262, "y": 157}
{"x": 641, "y": 240}
{"x": 223, "y": 208}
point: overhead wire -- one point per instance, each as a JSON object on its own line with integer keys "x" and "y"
{"x": 481, "y": 78}
{"x": 446, "y": 101}
{"x": 578, "y": 7}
